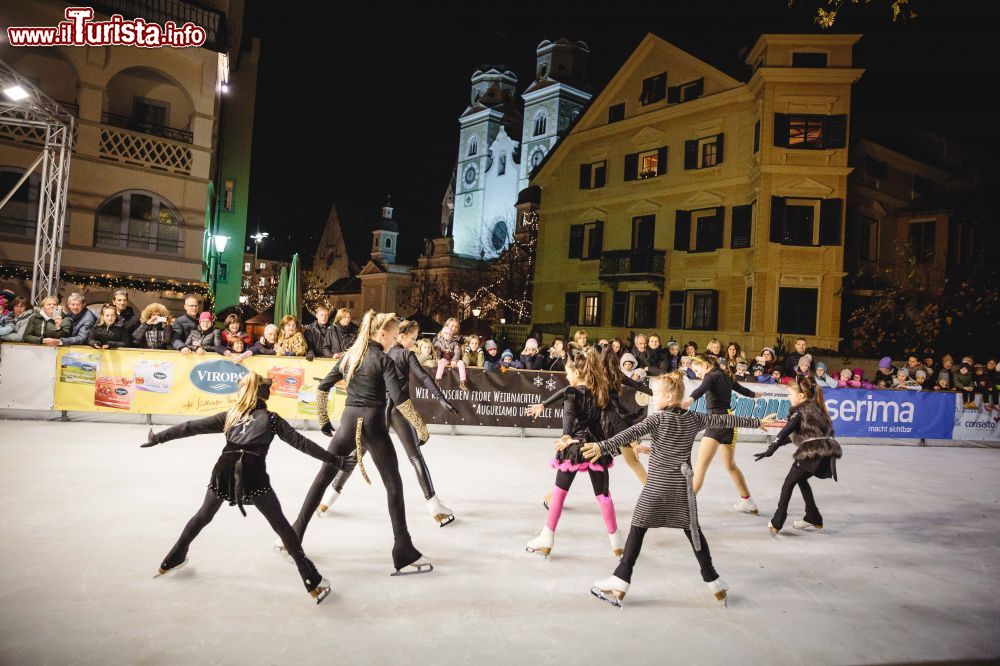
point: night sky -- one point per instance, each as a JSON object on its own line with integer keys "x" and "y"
{"x": 352, "y": 109}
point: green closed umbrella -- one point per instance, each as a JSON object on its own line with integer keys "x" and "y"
{"x": 293, "y": 295}
{"x": 280, "y": 300}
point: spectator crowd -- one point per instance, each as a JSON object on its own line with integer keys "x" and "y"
{"x": 116, "y": 325}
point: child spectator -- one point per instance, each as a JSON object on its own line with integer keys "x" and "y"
{"x": 691, "y": 349}
{"x": 108, "y": 333}
{"x": 507, "y": 361}
{"x": 627, "y": 365}
{"x": 685, "y": 367}
{"x": 425, "y": 353}
{"x": 13, "y": 327}
{"x": 982, "y": 384}
{"x": 449, "y": 356}
{"x": 760, "y": 376}
{"x": 155, "y": 331}
{"x": 265, "y": 345}
{"x": 804, "y": 367}
{"x": 822, "y": 378}
{"x": 742, "y": 373}
{"x": 904, "y": 381}
{"x": 202, "y": 339}
{"x": 920, "y": 376}
{"x": 233, "y": 329}
{"x": 844, "y": 379}
{"x": 530, "y": 358}
{"x": 617, "y": 346}
{"x": 290, "y": 341}
{"x": 238, "y": 351}
{"x": 885, "y": 375}
{"x": 556, "y": 359}
{"x": 473, "y": 353}
{"x": 943, "y": 381}
{"x": 962, "y": 381}
{"x": 673, "y": 356}
{"x": 858, "y": 375}
{"x": 766, "y": 359}
{"x": 491, "y": 359}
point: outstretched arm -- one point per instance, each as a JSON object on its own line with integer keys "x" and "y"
{"x": 211, "y": 424}
{"x": 613, "y": 446}
{"x": 726, "y": 421}
{"x": 290, "y": 435}
{"x": 414, "y": 365}
{"x": 638, "y": 386}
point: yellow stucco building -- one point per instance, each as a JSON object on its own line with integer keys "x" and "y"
{"x": 694, "y": 205}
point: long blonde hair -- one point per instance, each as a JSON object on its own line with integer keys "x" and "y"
{"x": 246, "y": 401}
{"x": 371, "y": 325}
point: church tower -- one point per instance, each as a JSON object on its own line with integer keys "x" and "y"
{"x": 384, "y": 238}
{"x": 553, "y": 101}
{"x": 493, "y": 113}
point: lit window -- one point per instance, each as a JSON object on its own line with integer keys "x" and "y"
{"x": 805, "y": 132}
{"x": 590, "y": 315}
{"x": 709, "y": 153}
{"x": 263, "y": 281}
{"x": 140, "y": 221}
{"x": 648, "y": 163}
{"x": 246, "y": 267}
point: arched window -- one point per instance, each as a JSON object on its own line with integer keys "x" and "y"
{"x": 473, "y": 146}
{"x": 20, "y": 216}
{"x": 139, "y": 220}
{"x": 541, "y": 119}
{"x": 502, "y": 168}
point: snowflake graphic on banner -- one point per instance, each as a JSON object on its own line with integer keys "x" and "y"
{"x": 537, "y": 381}
{"x": 550, "y": 384}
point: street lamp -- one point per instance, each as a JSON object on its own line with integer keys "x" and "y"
{"x": 219, "y": 243}
{"x": 257, "y": 238}
{"x": 476, "y": 312}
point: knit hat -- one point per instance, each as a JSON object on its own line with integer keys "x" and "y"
{"x": 903, "y": 371}
{"x": 807, "y": 358}
{"x": 673, "y": 343}
{"x": 206, "y": 316}
{"x": 491, "y": 344}
{"x": 768, "y": 349}
{"x": 7, "y": 295}
{"x": 945, "y": 375}
{"x": 921, "y": 375}
{"x": 820, "y": 365}
{"x": 507, "y": 353}
{"x": 860, "y": 372}
{"x": 627, "y": 357}
{"x": 757, "y": 367}
{"x": 531, "y": 344}
{"x": 885, "y": 363}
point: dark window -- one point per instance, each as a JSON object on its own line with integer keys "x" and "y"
{"x": 594, "y": 234}
{"x": 631, "y": 166}
{"x": 747, "y": 310}
{"x": 619, "y": 308}
{"x": 643, "y": 229}
{"x": 756, "y": 137}
{"x": 921, "y": 236}
{"x": 540, "y": 123}
{"x": 148, "y": 112}
{"x": 139, "y": 221}
{"x": 20, "y": 216}
{"x": 742, "y": 223}
{"x": 709, "y": 154}
{"x": 572, "y": 307}
{"x": 616, "y": 112}
{"x": 576, "y": 241}
{"x": 708, "y": 231}
{"x": 922, "y": 186}
{"x": 682, "y": 230}
{"x": 876, "y": 169}
{"x": 704, "y": 310}
{"x": 868, "y": 239}
{"x": 799, "y": 223}
{"x": 594, "y": 175}
{"x": 797, "y": 310}
{"x": 692, "y": 90}
{"x": 830, "y": 213}
{"x": 675, "y": 309}
{"x": 809, "y": 59}
{"x": 643, "y": 309}
{"x": 653, "y": 89}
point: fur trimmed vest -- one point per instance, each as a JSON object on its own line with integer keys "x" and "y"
{"x": 815, "y": 437}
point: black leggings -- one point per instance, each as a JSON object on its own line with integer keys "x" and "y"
{"x": 634, "y": 544}
{"x": 375, "y": 439}
{"x": 599, "y": 480}
{"x": 270, "y": 507}
{"x": 411, "y": 444}
{"x": 796, "y": 477}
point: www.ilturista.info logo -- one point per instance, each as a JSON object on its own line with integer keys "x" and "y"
{"x": 79, "y": 29}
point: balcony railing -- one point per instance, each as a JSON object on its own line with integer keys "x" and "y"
{"x": 178, "y": 11}
{"x": 633, "y": 265}
{"x": 125, "y": 122}
{"x": 142, "y": 149}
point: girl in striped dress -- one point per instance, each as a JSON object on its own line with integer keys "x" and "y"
{"x": 583, "y": 403}
{"x": 667, "y": 499}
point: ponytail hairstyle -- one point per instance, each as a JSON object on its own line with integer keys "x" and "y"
{"x": 371, "y": 325}
{"x": 589, "y": 368}
{"x": 707, "y": 360}
{"x": 246, "y": 400}
{"x": 673, "y": 383}
{"x": 812, "y": 391}
{"x": 408, "y": 326}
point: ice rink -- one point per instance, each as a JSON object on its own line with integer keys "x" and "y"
{"x": 906, "y": 569}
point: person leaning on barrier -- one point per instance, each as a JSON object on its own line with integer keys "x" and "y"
{"x": 154, "y": 332}
{"x": 317, "y": 335}
{"x": 47, "y": 323}
{"x": 108, "y": 333}
{"x": 13, "y": 326}
{"x": 126, "y": 313}
{"x": 186, "y": 323}
{"x": 81, "y": 321}
{"x": 265, "y": 345}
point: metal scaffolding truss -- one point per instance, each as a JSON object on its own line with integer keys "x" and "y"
{"x": 39, "y": 119}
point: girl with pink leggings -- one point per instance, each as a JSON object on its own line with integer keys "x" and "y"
{"x": 447, "y": 349}
{"x": 583, "y": 401}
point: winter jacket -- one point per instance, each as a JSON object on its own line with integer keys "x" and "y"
{"x": 532, "y": 361}
{"x": 473, "y": 359}
{"x": 295, "y": 345}
{"x": 129, "y": 319}
{"x": 826, "y": 381}
{"x": 959, "y": 381}
{"x": 155, "y": 336}
{"x": 446, "y": 349}
{"x": 183, "y": 326}
{"x": 427, "y": 360}
{"x": 791, "y": 362}
{"x": 40, "y": 327}
{"x": 491, "y": 363}
{"x": 199, "y": 339}
{"x": 555, "y": 363}
{"x": 80, "y": 326}
{"x": 262, "y": 346}
{"x": 225, "y": 337}
{"x": 114, "y": 336}
{"x": 646, "y": 358}
{"x": 341, "y": 338}
{"x": 14, "y": 328}
{"x": 318, "y": 339}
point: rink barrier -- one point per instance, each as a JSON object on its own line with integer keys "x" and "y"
{"x": 81, "y": 383}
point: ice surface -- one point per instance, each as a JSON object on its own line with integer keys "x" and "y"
{"x": 905, "y": 570}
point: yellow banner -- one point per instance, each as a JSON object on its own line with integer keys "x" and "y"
{"x": 168, "y": 382}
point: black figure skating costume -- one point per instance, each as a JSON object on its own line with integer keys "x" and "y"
{"x": 718, "y": 387}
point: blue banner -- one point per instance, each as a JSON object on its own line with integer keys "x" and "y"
{"x": 905, "y": 414}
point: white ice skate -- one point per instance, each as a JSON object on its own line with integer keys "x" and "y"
{"x": 719, "y": 588}
{"x": 611, "y": 589}
{"x": 617, "y": 543}
{"x": 804, "y": 525}
{"x": 164, "y": 572}
{"x": 324, "y": 506}
{"x": 421, "y": 566}
{"x": 746, "y": 506}
{"x": 279, "y": 548}
{"x": 772, "y": 530}
{"x": 439, "y": 512}
{"x": 542, "y": 544}
{"x": 321, "y": 591}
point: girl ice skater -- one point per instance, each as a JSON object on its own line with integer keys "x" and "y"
{"x": 369, "y": 374}
{"x": 406, "y": 362}
{"x": 240, "y": 475}
{"x": 810, "y": 427}
{"x": 718, "y": 387}
{"x": 583, "y": 401}
{"x": 668, "y": 498}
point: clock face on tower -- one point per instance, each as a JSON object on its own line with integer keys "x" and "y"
{"x": 470, "y": 175}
